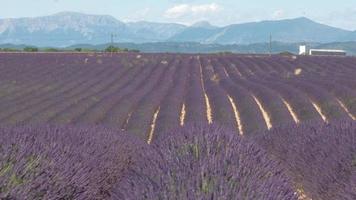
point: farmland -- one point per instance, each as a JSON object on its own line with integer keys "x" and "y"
{"x": 177, "y": 126}
{"x": 149, "y": 94}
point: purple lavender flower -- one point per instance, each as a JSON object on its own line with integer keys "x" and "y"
{"x": 55, "y": 162}
{"x": 319, "y": 157}
{"x": 207, "y": 162}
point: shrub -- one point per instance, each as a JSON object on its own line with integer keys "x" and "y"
{"x": 286, "y": 53}
{"x": 208, "y": 162}
{"x": 112, "y": 49}
{"x": 51, "y": 50}
{"x": 10, "y": 49}
{"x": 53, "y": 162}
{"x": 30, "y": 49}
{"x": 320, "y": 157}
{"x": 135, "y": 50}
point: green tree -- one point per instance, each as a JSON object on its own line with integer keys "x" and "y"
{"x": 50, "y": 50}
{"x": 112, "y": 49}
{"x": 30, "y": 49}
{"x": 10, "y": 49}
{"x": 88, "y": 50}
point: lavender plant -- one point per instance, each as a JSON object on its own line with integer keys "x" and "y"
{"x": 319, "y": 157}
{"x": 54, "y": 162}
{"x": 207, "y": 162}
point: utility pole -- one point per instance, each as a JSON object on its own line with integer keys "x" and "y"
{"x": 112, "y": 42}
{"x": 270, "y": 44}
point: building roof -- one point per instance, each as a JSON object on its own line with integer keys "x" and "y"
{"x": 328, "y": 50}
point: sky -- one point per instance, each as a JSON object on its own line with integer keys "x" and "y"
{"x": 341, "y": 13}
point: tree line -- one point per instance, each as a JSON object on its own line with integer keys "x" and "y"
{"x": 110, "y": 48}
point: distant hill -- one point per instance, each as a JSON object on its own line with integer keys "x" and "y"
{"x": 151, "y": 32}
{"x": 69, "y": 28}
{"x": 204, "y": 24}
{"x": 289, "y": 31}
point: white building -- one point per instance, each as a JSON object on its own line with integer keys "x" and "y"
{"x": 320, "y": 52}
{"x": 326, "y": 52}
{"x": 302, "y": 50}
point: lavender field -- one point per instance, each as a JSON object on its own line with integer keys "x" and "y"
{"x": 177, "y": 126}
{"x": 148, "y": 94}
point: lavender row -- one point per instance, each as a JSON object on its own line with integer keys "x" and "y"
{"x": 143, "y": 119}
{"x": 195, "y": 97}
{"x": 320, "y": 158}
{"x": 131, "y": 82}
{"x": 221, "y": 107}
{"x": 172, "y": 109}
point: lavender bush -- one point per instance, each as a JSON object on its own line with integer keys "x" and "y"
{"x": 53, "y": 162}
{"x": 207, "y": 162}
{"x": 319, "y": 157}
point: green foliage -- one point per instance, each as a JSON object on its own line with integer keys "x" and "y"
{"x": 89, "y": 50}
{"x": 50, "y": 50}
{"x": 189, "y": 148}
{"x": 112, "y": 49}
{"x": 286, "y": 53}
{"x": 80, "y": 49}
{"x": 5, "y": 169}
{"x": 30, "y": 49}
{"x": 225, "y": 52}
{"x": 207, "y": 184}
{"x": 9, "y": 50}
{"x": 354, "y": 160}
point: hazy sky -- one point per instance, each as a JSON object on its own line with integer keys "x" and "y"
{"x": 341, "y": 13}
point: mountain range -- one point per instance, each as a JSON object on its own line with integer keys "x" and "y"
{"x": 70, "y": 28}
